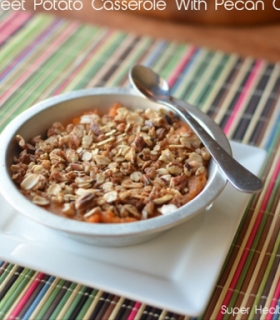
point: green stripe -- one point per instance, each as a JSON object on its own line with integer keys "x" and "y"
{"x": 40, "y": 79}
{"x": 130, "y": 60}
{"x": 63, "y": 301}
{"x": 92, "y": 41}
{"x": 201, "y": 78}
{"x": 3, "y": 14}
{"x": 200, "y": 72}
{"x": 266, "y": 275}
{"x": 218, "y": 84}
{"x": 5, "y": 273}
{"x": 187, "y": 78}
{"x": 99, "y": 59}
{"x": 34, "y": 55}
{"x": 274, "y": 142}
{"x": 270, "y": 154}
{"x": 87, "y": 304}
{"x": 195, "y": 70}
{"x": 75, "y": 302}
{"x": 23, "y": 39}
{"x": 210, "y": 82}
{"x": 253, "y": 248}
{"x": 164, "y": 57}
{"x": 16, "y": 289}
{"x": 173, "y": 60}
{"x": 47, "y": 304}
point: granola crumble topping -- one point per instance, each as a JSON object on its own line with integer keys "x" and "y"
{"x": 125, "y": 166}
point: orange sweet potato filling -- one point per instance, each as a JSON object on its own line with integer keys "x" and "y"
{"x": 166, "y": 132}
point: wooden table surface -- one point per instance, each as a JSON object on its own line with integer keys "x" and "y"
{"x": 259, "y": 41}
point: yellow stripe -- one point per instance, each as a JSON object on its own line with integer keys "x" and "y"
{"x": 218, "y": 84}
{"x": 9, "y": 276}
{"x": 96, "y": 59}
{"x": 106, "y": 66}
{"x": 248, "y": 95}
{"x": 244, "y": 242}
{"x": 44, "y": 75}
{"x": 22, "y": 293}
{"x": 15, "y": 45}
{"x": 117, "y": 308}
{"x": 69, "y": 301}
{"x": 22, "y": 68}
{"x": 125, "y": 64}
{"x": 66, "y": 73}
{"x": 259, "y": 263}
{"x": 163, "y": 314}
{"x": 271, "y": 123}
{"x": 189, "y": 76}
{"x": 45, "y": 298}
{"x": 140, "y": 312}
{"x": 93, "y": 304}
{"x": 203, "y": 81}
{"x": 264, "y": 97}
{"x": 233, "y": 89}
{"x": 167, "y": 53}
{"x": 271, "y": 293}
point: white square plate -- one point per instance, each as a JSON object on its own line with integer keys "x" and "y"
{"x": 176, "y": 271}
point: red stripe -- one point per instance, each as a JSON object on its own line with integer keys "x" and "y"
{"x": 26, "y": 296}
{"x": 13, "y": 24}
{"x": 181, "y": 66}
{"x": 6, "y": 22}
{"x": 250, "y": 241}
{"x": 272, "y": 308}
{"x": 243, "y": 95}
{"x": 270, "y": 187}
{"x": 40, "y": 60}
{"x": 134, "y": 311}
{"x": 84, "y": 62}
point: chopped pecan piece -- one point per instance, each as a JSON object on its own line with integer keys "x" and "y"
{"x": 121, "y": 167}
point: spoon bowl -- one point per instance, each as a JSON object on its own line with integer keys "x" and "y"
{"x": 151, "y": 85}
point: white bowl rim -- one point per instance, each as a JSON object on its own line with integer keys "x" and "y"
{"x": 27, "y": 208}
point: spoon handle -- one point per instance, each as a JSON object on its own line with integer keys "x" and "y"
{"x": 241, "y": 178}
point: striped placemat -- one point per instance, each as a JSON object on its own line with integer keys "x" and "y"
{"x": 42, "y": 56}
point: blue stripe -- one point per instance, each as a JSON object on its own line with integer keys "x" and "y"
{"x": 186, "y": 70}
{"x": 273, "y": 133}
{"x": 276, "y": 315}
{"x": 40, "y": 295}
{"x": 151, "y": 59}
{"x": 36, "y": 43}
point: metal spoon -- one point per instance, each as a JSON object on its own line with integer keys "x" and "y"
{"x": 155, "y": 88}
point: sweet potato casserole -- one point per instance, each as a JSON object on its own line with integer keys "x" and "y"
{"x": 124, "y": 166}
